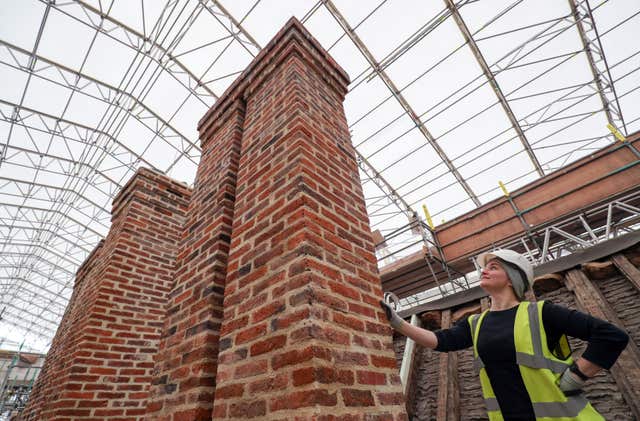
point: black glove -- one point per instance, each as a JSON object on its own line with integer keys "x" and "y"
{"x": 394, "y": 320}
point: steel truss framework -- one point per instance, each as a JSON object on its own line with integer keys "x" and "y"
{"x": 558, "y": 239}
{"x": 446, "y": 100}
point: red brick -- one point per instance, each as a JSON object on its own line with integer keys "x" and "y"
{"x": 73, "y": 412}
{"x": 302, "y": 399}
{"x": 355, "y": 397}
{"x": 297, "y": 356}
{"x": 230, "y": 391}
{"x": 271, "y": 383}
{"x": 314, "y": 374}
{"x": 371, "y": 377}
{"x": 363, "y": 310}
{"x": 102, "y": 370}
{"x": 108, "y": 412}
{"x": 347, "y": 321}
{"x": 250, "y": 333}
{"x": 252, "y": 368}
{"x": 268, "y": 345}
{"x": 267, "y": 311}
{"x": 390, "y": 398}
{"x": 194, "y": 414}
{"x": 383, "y": 362}
{"x": 250, "y": 409}
{"x": 351, "y": 358}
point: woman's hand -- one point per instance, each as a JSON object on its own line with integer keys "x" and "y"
{"x": 422, "y": 337}
{"x": 570, "y": 383}
{"x": 394, "y": 320}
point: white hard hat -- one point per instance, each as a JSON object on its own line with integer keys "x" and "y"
{"x": 508, "y": 256}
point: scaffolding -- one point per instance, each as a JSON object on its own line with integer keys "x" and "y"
{"x": 542, "y": 244}
{"x": 18, "y": 372}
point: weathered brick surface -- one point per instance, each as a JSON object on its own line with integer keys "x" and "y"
{"x": 625, "y": 300}
{"x": 600, "y": 390}
{"x": 472, "y": 405}
{"x": 57, "y": 358}
{"x": 302, "y": 334}
{"x": 423, "y": 392}
{"x": 184, "y": 374}
{"x": 101, "y": 360}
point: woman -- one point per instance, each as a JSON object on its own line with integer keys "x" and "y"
{"x": 521, "y": 348}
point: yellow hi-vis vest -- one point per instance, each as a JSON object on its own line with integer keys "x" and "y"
{"x": 540, "y": 369}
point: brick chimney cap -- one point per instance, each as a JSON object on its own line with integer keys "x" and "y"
{"x": 292, "y": 29}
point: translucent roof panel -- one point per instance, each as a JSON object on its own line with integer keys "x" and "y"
{"x": 446, "y": 100}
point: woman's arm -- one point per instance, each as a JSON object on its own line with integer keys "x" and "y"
{"x": 445, "y": 340}
{"x": 605, "y": 341}
{"x": 422, "y": 336}
{"x": 587, "y": 368}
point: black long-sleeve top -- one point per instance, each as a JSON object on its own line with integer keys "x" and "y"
{"x": 497, "y": 350}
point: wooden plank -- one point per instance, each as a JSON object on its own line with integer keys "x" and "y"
{"x": 453, "y": 390}
{"x": 626, "y": 371}
{"x": 443, "y": 378}
{"x": 407, "y": 367}
{"x": 627, "y": 268}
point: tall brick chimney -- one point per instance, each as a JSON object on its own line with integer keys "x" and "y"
{"x": 302, "y": 336}
{"x": 58, "y": 360}
{"x": 261, "y": 299}
{"x": 186, "y": 364}
{"x": 100, "y": 362}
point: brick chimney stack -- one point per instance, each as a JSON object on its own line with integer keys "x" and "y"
{"x": 101, "y": 359}
{"x": 253, "y": 296}
{"x": 302, "y": 335}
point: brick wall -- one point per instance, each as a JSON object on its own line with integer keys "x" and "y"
{"x": 57, "y": 358}
{"x": 302, "y": 335}
{"x": 184, "y": 376}
{"x": 101, "y": 365}
{"x": 261, "y": 299}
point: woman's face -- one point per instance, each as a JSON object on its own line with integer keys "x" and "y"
{"x": 494, "y": 276}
